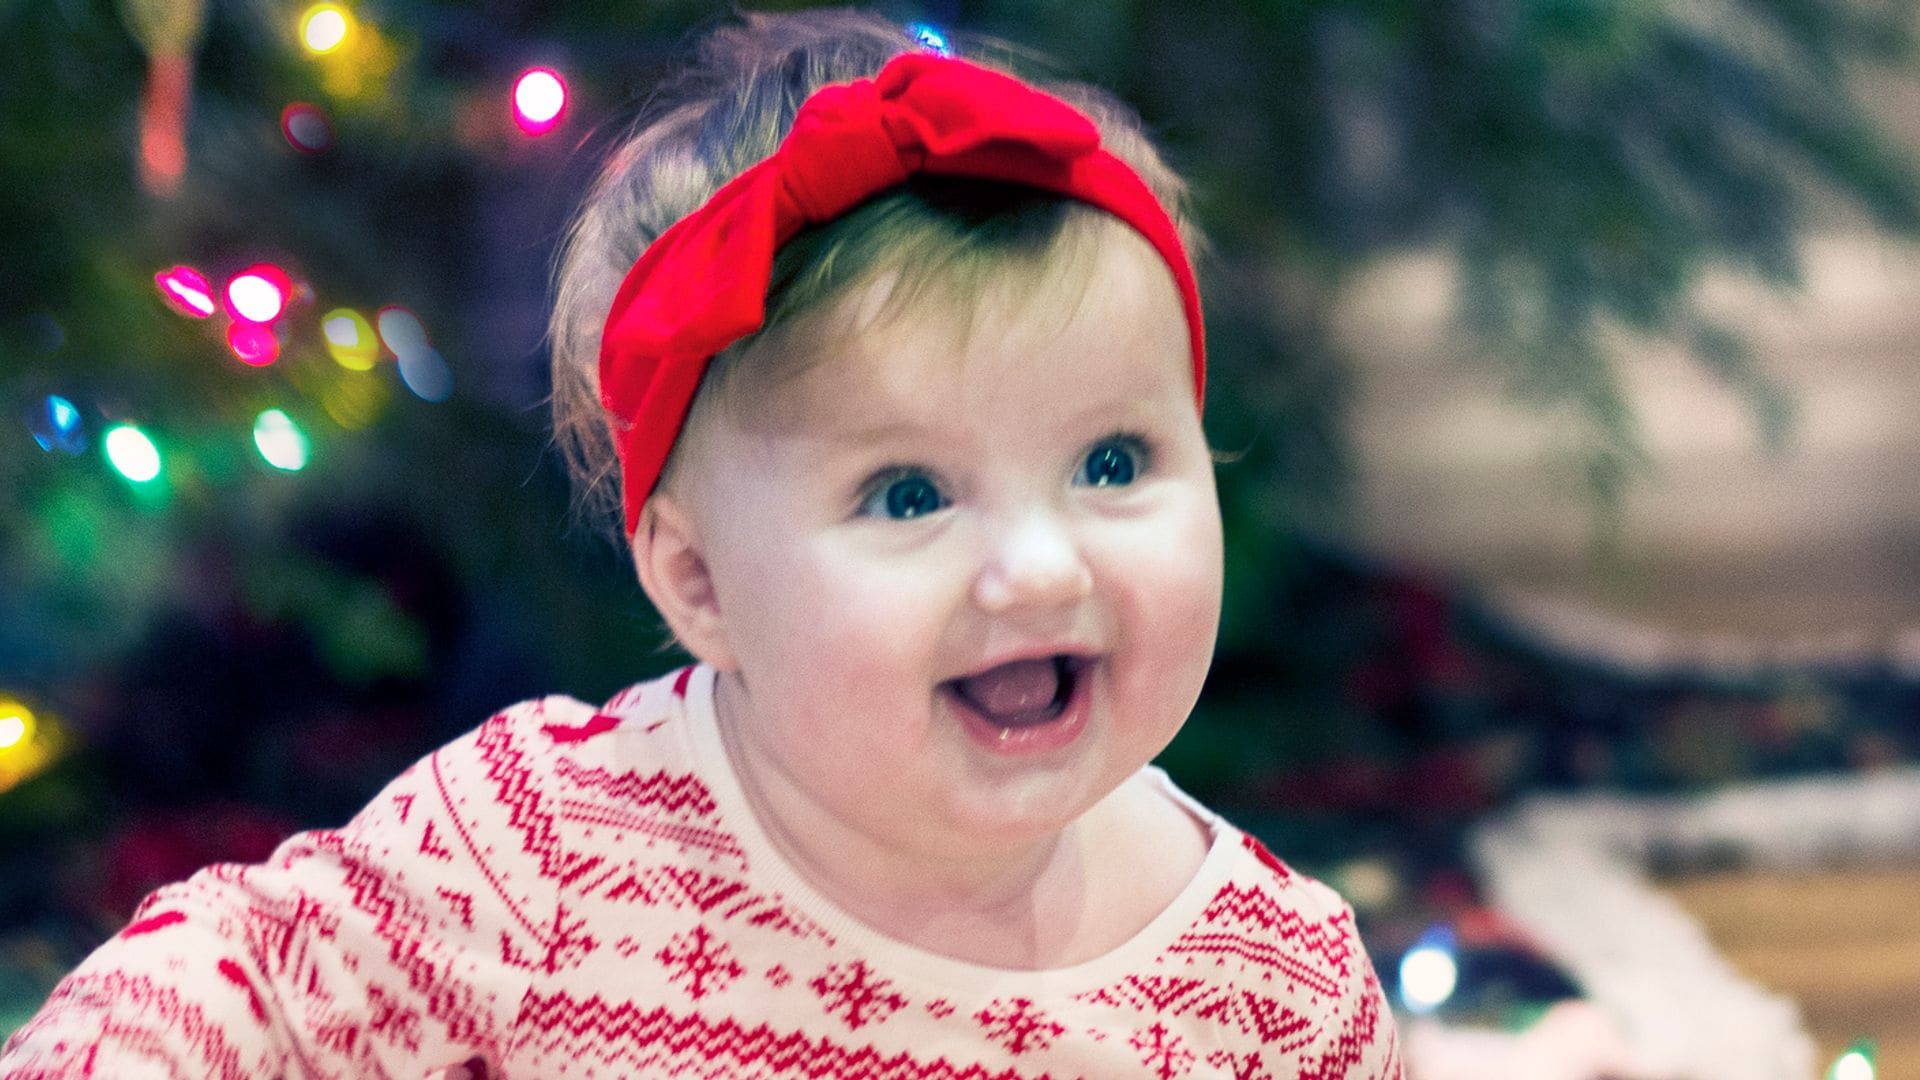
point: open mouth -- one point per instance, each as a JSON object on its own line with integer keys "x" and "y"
{"x": 1022, "y": 693}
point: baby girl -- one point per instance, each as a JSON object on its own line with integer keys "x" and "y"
{"x": 893, "y": 365}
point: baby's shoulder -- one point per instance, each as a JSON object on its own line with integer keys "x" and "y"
{"x": 559, "y": 727}
{"x": 558, "y": 777}
{"x": 1245, "y": 868}
{"x": 531, "y": 763}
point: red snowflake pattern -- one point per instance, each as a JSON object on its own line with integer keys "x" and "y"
{"x": 1162, "y": 1051}
{"x": 850, "y": 992}
{"x": 1239, "y": 1066}
{"x": 703, "y": 961}
{"x": 1017, "y": 1025}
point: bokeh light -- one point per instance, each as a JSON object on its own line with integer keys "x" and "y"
{"x": 1853, "y": 1065}
{"x": 55, "y": 423}
{"x": 1428, "y": 972}
{"x": 131, "y": 453}
{"x": 16, "y": 723}
{"x": 1856, "y": 1063}
{"x": 350, "y": 339}
{"x": 930, "y": 38}
{"x": 186, "y": 290}
{"x": 259, "y": 293}
{"x": 426, "y": 373}
{"x": 401, "y": 330}
{"x": 539, "y": 97}
{"x": 280, "y": 441}
{"x": 28, "y": 743}
{"x": 325, "y": 27}
{"x": 306, "y": 128}
{"x": 253, "y": 344}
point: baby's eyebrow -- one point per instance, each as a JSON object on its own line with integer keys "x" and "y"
{"x": 868, "y": 434}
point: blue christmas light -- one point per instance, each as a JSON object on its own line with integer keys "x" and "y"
{"x": 55, "y": 424}
{"x": 426, "y": 373}
{"x": 930, "y": 38}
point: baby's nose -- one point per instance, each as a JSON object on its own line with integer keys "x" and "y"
{"x": 1037, "y": 563}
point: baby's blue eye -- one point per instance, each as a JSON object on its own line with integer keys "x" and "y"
{"x": 908, "y": 496}
{"x": 1110, "y": 464}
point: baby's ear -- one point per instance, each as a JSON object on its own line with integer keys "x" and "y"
{"x": 673, "y": 571}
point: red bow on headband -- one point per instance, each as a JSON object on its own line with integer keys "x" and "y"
{"x": 702, "y": 285}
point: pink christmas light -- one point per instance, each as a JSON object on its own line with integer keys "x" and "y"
{"x": 254, "y": 344}
{"x": 539, "y": 97}
{"x": 186, "y": 290}
{"x": 259, "y": 293}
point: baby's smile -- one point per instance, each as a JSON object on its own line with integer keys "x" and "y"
{"x": 1024, "y": 706}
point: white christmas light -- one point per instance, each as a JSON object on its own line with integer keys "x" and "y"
{"x": 1428, "y": 974}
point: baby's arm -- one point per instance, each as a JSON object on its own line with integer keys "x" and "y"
{"x": 169, "y": 996}
{"x": 1363, "y": 1044}
{"x": 400, "y": 943}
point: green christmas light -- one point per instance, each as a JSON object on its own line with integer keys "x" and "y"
{"x": 1856, "y": 1063}
{"x": 131, "y": 453}
{"x": 280, "y": 441}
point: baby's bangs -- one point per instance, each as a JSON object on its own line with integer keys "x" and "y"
{"x": 1036, "y": 261}
{"x": 937, "y": 245}
{"x": 933, "y": 232}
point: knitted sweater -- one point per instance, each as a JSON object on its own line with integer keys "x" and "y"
{"x": 566, "y": 892}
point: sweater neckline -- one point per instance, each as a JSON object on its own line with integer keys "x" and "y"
{"x": 899, "y": 958}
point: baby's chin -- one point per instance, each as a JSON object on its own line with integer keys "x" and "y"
{"x": 997, "y": 805}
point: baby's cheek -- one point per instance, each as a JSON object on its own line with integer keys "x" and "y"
{"x": 1184, "y": 559}
{"x": 864, "y": 627}
{"x": 1176, "y": 602}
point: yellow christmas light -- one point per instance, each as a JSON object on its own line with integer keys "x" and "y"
{"x": 324, "y": 28}
{"x": 350, "y": 339}
{"x": 16, "y": 723}
{"x": 28, "y": 743}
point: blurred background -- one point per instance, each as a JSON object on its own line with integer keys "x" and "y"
{"x": 1563, "y": 354}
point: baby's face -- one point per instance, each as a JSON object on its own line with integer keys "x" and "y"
{"x": 970, "y": 572}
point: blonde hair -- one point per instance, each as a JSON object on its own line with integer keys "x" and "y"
{"x": 728, "y": 110}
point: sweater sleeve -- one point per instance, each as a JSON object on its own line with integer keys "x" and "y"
{"x": 1363, "y": 1043}
{"x": 398, "y": 944}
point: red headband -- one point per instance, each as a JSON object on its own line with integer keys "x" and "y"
{"x": 702, "y": 285}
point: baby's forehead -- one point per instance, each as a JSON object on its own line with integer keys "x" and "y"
{"x": 906, "y": 345}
